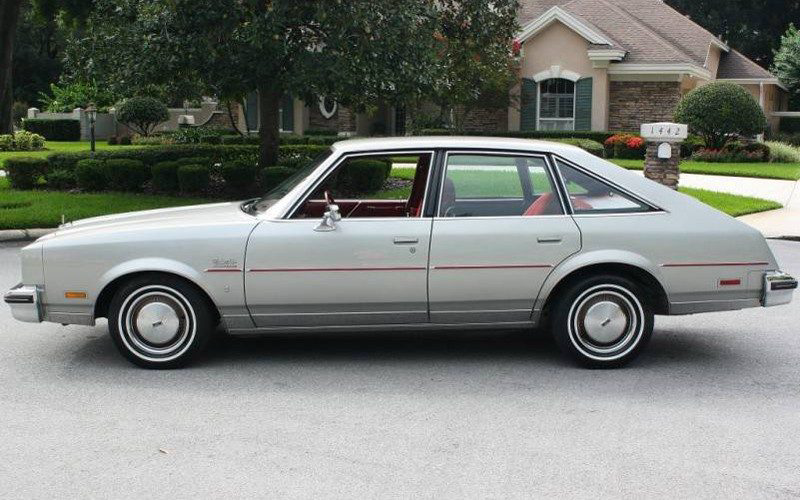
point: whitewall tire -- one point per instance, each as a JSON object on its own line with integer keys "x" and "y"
{"x": 602, "y": 321}
{"x": 160, "y": 321}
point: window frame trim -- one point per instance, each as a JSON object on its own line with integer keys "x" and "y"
{"x": 539, "y": 103}
{"x": 548, "y": 167}
{"x": 654, "y": 208}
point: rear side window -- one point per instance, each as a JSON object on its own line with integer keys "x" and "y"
{"x": 589, "y": 195}
{"x": 487, "y": 185}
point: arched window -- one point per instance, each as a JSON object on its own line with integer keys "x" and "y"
{"x": 556, "y": 104}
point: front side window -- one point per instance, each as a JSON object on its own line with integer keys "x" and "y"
{"x": 486, "y": 185}
{"x": 589, "y": 195}
{"x": 556, "y": 104}
{"x": 369, "y": 186}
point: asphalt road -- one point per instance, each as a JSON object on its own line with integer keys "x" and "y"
{"x": 712, "y": 409}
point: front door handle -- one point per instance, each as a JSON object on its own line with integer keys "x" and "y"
{"x": 405, "y": 241}
{"x": 549, "y": 239}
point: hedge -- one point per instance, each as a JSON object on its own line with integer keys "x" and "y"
{"x": 271, "y": 177}
{"x": 165, "y": 176}
{"x": 588, "y": 145}
{"x": 90, "y": 175}
{"x": 60, "y": 180}
{"x": 240, "y": 177}
{"x": 362, "y": 176}
{"x": 24, "y": 172}
{"x": 126, "y": 175}
{"x": 54, "y": 130}
{"x": 193, "y": 178}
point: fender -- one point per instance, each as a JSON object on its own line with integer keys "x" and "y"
{"x": 578, "y": 261}
{"x": 155, "y": 264}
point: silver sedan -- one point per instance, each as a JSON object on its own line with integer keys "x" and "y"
{"x": 482, "y": 233}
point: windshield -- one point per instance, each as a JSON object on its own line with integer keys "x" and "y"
{"x": 282, "y": 189}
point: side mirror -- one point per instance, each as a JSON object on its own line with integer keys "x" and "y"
{"x": 329, "y": 220}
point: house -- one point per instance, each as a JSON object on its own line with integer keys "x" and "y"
{"x": 584, "y": 65}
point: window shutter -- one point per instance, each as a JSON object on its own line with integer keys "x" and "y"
{"x": 528, "y": 105}
{"x": 583, "y": 104}
{"x": 287, "y": 107}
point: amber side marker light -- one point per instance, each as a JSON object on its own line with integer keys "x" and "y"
{"x": 75, "y": 295}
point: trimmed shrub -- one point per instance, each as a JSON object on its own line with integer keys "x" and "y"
{"x": 90, "y": 175}
{"x": 271, "y": 177}
{"x": 733, "y": 153}
{"x": 787, "y": 138}
{"x": 60, "y": 179}
{"x": 126, "y": 175}
{"x": 54, "y": 130}
{"x": 193, "y": 178}
{"x": 362, "y": 176}
{"x": 238, "y": 139}
{"x": 588, "y": 145}
{"x": 691, "y": 144}
{"x": 240, "y": 176}
{"x": 783, "y": 153}
{"x": 151, "y": 140}
{"x": 155, "y": 154}
{"x": 315, "y": 131}
{"x": 24, "y": 172}
{"x": 293, "y": 139}
{"x": 194, "y": 160}
{"x": 309, "y": 150}
{"x": 599, "y": 136}
{"x": 719, "y": 111}
{"x": 112, "y": 141}
{"x": 165, "y": 176}
{"x": 142, "y": 114}
{"x": 125, "y": 140}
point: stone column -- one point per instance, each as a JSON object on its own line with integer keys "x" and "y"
{"x": 347, "y": 122}
{"x": 662, "y": 160}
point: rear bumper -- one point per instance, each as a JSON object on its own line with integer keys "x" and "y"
{"x": 24, "y": 303}
{"x": 778, "y": 289}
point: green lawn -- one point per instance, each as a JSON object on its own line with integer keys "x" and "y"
{"x": 33, "y": 209}
{"x": 786, "y": 171}
{"x": 60, "y": 147}
{"x": 731, "y": 204}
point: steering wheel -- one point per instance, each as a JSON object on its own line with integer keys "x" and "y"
{"x": 329, "y": 198}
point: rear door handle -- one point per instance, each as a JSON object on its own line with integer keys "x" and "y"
{"x": 400, "y": 240}
{"x": 549, "y": 239}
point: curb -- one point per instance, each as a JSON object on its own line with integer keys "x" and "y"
{"x": 23, "y": 234}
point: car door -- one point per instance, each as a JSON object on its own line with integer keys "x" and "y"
{"x": 371, "y": 269}
{"x": 500, "y": 229}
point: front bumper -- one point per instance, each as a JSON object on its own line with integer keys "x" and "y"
{"x": 24, "y": 303}
{"x": 778, "y": 288}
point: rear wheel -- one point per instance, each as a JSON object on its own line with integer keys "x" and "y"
{"x": 160, "y": 321}
{"x": 602, "y": 321}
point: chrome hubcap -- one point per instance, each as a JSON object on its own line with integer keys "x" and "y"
{"x": 157, "y": 323}
{"x": 605, "y": 322}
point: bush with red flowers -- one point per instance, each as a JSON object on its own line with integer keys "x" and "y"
{"x": 629, "y": 146}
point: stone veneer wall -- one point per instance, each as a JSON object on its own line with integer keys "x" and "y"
{"x": 487, "y": 120}
{"x": 634, "y": 103}
{"x": 318, "y": 122}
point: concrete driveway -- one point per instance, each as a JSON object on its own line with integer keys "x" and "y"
{"x": 712, "y": 409}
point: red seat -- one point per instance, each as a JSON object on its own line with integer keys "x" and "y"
{"x": 414, "y": 204}
{"x": 542, "y": 205}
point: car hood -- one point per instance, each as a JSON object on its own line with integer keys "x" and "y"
{"x": 192, "y": 215}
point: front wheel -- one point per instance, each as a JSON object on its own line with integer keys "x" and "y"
{"x": 159, "y": 321}
{"x": 602, "y": 321}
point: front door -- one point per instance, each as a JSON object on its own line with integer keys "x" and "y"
{"x": 370, "y": 269}
{"x": 500, "y": 230}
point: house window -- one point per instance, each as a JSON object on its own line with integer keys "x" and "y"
{"x": 556, "y": 104}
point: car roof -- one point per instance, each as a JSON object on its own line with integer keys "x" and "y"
{"x": 450, "y": 142}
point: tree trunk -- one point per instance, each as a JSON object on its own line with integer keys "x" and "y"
{"x": 229, "y": 105}
{"x": 269, "y": 104}
{"x": 9, "y": 16}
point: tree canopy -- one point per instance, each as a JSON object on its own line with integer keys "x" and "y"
{"x": 359, "y": 53}
{"x": 787, "y": 61}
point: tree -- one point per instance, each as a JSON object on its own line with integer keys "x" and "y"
{"x": 720, "y": 110}
{"x": 787, "y": 61}
{"x": 359, "y": 53}
{"x": 753, "y": 28}
{"x": 142, "y": 114}
{"x": 474, "y": 58}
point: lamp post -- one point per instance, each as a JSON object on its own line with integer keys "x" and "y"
{"x": 91, "y": 112}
